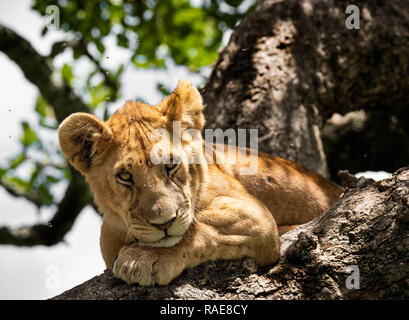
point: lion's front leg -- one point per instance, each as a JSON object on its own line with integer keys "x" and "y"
{"x": 147, "y": 266}
{"x": 228, "y": 229}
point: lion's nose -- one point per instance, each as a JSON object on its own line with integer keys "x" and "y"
{"x": 164, "y": 226}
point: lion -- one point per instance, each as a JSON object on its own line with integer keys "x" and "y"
{"x": 159, "y": 219}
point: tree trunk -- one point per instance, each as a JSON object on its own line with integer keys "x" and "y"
{"x": 367, "y": 230}
{"x": 291, "y": 64}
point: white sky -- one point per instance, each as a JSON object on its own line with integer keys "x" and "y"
{"x": 41, "y": 272}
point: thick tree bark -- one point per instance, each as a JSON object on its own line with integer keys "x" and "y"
{"x": 367, "y": 228}
{"x": 291, "y": 64}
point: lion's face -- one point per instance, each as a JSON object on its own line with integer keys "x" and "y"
{"x": 155, "y": 199}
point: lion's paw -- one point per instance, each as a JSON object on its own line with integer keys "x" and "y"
{"x": 146, "y": 267}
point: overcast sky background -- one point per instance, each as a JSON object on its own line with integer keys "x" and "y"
{"x": 43, "y": 272}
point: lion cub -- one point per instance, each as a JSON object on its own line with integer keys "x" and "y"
{"x": 160, "y": 217}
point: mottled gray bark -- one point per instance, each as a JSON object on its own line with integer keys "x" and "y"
{"x": 291, "y": 64}
{"x": 368, "y": 227}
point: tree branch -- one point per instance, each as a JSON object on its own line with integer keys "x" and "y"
{"x": 33, "y": 198}
{"x": 82, "y": 45}
{"x": 367, "y": 228}
{"x": 108, "y": 80}
{"x": 76, "y": 197}
{"x": 39, "y": 70}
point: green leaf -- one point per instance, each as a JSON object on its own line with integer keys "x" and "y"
{"x": 45, "y": 113}
{"x": 67, "y": 73}
{"x": 2, "y": 172}
{"x": 18, "y": 184}
{"x": 28, "y": 137}
{"x": 34, "y": 175}
{"x": 41, "y": 107}
{"x": 119, "y": 72}
{"x": 100, "y": 46}
{"x": 122, "y": 40}
{"x": 67, "y": 174}
{"x": 45, "y": 194}
{"x": 52, "y": 179}
{"x": 162, "y": 89}
{"x": 99, "y": 94}
{"x": 16, "y": 161}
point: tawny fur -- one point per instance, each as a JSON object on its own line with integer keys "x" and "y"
{"x": 218, "y": 213}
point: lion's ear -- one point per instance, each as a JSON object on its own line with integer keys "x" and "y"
{"x": 186, "y": 105}
{"x": 82, "y": 138}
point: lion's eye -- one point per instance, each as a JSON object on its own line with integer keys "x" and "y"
{"x": 125, "y": 177}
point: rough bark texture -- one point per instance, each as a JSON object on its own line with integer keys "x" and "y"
{"x": 292, "y": 64}
{"x": 368, "y": 227}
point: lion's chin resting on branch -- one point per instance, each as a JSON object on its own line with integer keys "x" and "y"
{"x": 161, "y": 217}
